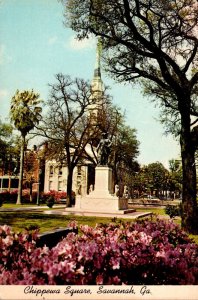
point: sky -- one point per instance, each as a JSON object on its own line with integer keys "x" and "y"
{"x": 35, "y": 45}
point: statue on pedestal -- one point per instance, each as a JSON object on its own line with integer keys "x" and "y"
{"x": 126, "y": 192}
{"x": 103, "y": 150}
{"x": 91, "y": 188}
{"x": 117, "y": 189}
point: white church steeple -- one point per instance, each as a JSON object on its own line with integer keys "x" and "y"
{"x": 97, "y": 84}
{"x": 97, "y": 87}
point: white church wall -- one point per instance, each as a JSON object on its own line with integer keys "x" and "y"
{"x": 56, "y": 178}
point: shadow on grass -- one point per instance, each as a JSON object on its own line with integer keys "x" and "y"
{"x": 19, "y": 221}
{"x": 22, "y": 220}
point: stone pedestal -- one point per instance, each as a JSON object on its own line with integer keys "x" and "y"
{"x": 101, "y": 199}
{"x": 103, "y": 182}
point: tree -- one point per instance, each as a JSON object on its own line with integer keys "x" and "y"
{"x": 25, "y": 113}
{"x": 153, "y": 43}
{"x": 69, "y": 127}
{"x": 157, "y": 176}
{"x": 31, "y": 169}
{"x": 5, "y": 145}
{"x": 8, "y": 149}
{"x": 175, "y": 178}
{"x": 151, "y": 178}
{"x": 124, "y": 153}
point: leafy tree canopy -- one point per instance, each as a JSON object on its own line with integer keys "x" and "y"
{"x": 25, "y": 110}
{"x": 155, "y": 44}
{"x": 161, "y": 35}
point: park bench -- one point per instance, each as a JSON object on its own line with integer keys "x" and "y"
{"x": 52, "y": 238}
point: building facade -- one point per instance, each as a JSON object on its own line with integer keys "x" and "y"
{"x": 56, "y": 178}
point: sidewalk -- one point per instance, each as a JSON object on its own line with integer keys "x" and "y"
{"x": 132, "y": 215}
{"x": 30, "y": 208}
{"x": 61, "y": 210}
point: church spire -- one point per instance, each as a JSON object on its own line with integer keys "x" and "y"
{"x": 97, "y": 84}
{"x": 97, "y": 88}
{"x": 97, "y": 72}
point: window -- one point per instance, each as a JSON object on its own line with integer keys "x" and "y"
{"x": 14, "y": 183}
{"x": 5, "y": 183}
{"x": 60, "y": 186}
{"x": 51, "y": 170}
{"x": 79, "y": 170}
{"x": 60, "y": 170}
{"x": 51, "y": 185}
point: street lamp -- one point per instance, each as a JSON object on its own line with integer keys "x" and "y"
{"x": 36, "y": 149}
{"x": 38, "y": 183}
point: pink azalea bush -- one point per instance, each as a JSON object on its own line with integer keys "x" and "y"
{"x": 56, "y": 195}
{"x": 145, "y": 252}
{"x": 11, "y": 196}
{"x": 26, "y": 196}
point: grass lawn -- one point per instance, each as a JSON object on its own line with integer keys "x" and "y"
{"x": 44, "y": 206}
{"x": 154, "y": 210}
{"x": 9, "y": 205}
{"x": 19, "y": 220}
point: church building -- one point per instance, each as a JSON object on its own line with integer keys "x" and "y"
{"x": 84, "y": 174}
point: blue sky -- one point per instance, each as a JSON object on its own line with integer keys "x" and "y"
{"x": 35, "y": 45}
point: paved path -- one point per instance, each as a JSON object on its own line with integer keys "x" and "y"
{"x": 132, "y": 215}
{"x": 29, "y": 208}
{"x": 61, "y": 210}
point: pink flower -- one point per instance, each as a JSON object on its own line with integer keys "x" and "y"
{"x": 80, "y": 270}
{"x": 116, "y": 280}
{"x": 73, "y": 224}
{"x": 8, "y": 241}
{"x": 160, "y": 253}
{"x": 146, "y": 239}
{"x": 6, "y": 229}
{"x": 110, "y": 254}
{"x": 99, "y": 279}
{"x": 115, "y": 263}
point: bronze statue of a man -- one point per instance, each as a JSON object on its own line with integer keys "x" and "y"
{"x": 103, "y": 150}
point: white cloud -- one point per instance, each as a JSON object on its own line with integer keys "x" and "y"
{"x": 2, "y": 54}
{"x": 4, "y": 57}
{"x": 3, "y": 93}
{"x": 75, "y": 44}
{"x": 52, "y": 40}
{"x": 5, "y": 98}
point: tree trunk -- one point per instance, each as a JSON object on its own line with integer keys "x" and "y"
{"x": 19, "y": 197}
{"x": 69, "y": 186}
{"x": 189, "y": 203}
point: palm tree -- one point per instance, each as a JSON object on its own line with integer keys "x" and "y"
{"x": 25, "y": 113}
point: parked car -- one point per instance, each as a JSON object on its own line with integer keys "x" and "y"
{"x": 145, "y": 196}
{"x": 154, "y": 198}
{"x": 149, "y": 197}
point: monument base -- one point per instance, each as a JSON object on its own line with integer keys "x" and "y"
{"x": 101, "y": 204}
{"x": 101, "y": 199}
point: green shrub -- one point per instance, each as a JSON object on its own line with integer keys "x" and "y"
{"x": 50, "y": 201}
{"x": 173, "y": 210}
{"x": 4, "y": 196}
